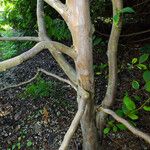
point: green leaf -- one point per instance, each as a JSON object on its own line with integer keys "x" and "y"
{"x": 142, "y": 66}
{"x": 130, "y": 105}
{"x": 29, "y": 143}
{"x": 19, "y": 145}
{"x": 146, "y": 76}
{"x": 116, "y": 18}
{"x": 125, "y": 110}
{"x": 147, "y": 86}
{"x": 133, "y": 116}
{"x": 98, "y": 73}
{"x": 134, "y": 60}
{"x": 146, "y": 49}
{"x": 135, "y": 85}
{"x": 106, "y": 130}
{"x": 115, "y": 128}
{"x": 121, "y": 126}
{"x": 146, "y": 108}
{"x": 13, "y": 146}
{"x": 143, "y": 58}
{"x": 111, "y": 123}
{"x": 127, "y": 10}
{"x": 119, "y": 112}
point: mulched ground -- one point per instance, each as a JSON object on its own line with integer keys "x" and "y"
{"x": 26, "y": 127}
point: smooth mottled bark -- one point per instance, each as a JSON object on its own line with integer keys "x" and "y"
{"x": 76, "y": 13}
{"x": 80, "y": 25}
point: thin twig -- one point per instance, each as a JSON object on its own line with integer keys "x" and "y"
{"x": 59, "y": 78}
{"x": 145, "y": 39}
{"x": 143, "y": 104}
{"x": 145, "y": 1}
{"x": 134, "y": 130}
{"x": 20, "y": 84}
{"x": 125, "y": 35}
{"x": 33, "y": 78}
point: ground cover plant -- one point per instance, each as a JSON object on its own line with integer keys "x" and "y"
{"x": 80, "y": 72}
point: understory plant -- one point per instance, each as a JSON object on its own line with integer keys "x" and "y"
{"x": 134, "y": 105}
{"x": 92, "y": 118}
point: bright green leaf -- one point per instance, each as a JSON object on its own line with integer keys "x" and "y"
{"x": 106, "y": 130}
{"x": 127, "y": 10}
{"x": 133, "y": 116}
{"x": 143, "y": 58}
{"x": 146, "y": 76}
{"x": 135, "y": 85}
{"x": 142, "y": 66}
{"x": 134, "y": 60}
{"x": 146, "y": 108}
{"x": 116, "y": 19}
{"x": 125, "y": 110}
{"x": 98, "y": 73}
{"x": 130, "y": 105}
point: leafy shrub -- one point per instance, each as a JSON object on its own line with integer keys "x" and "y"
{"x": 57, "y": 29}
{"x": 129, "y": 109}
{"x": 9, "y": 49}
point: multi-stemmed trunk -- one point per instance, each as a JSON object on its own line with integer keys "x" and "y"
{"x": 81, "y": 29}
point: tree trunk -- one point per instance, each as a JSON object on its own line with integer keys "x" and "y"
{"x": 80, "y": 26}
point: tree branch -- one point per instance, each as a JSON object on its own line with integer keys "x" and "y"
{"x": 73, "y": 126}
{"x": 65, "y": 49}
{"x": 134, "y": 130}
{"x": 33, "y": 78}
{"x": 58, "y": 6}
{"x": 40, "y": 20}
{"x": 66, "y": 67}
{"x": 125, "y": 35}
{"x": 141, "y": 40}
{"x": 7, "y": 64}
{"x": 112, "y": 61}
{"x": 59, "y": 78}
{"x": 26, "y": 38}
{"x": 145, "y": 1}
{"x": 35, "y": 50}
{"x": 20, "y": 84}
